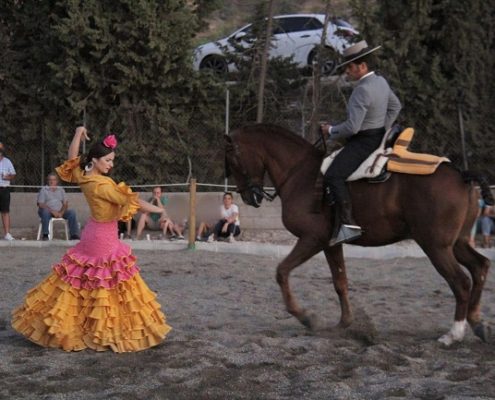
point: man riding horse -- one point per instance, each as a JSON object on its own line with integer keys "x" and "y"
{"x": 372, "y": 109}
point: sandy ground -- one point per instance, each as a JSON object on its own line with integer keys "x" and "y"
{"x": 233, "y": 339}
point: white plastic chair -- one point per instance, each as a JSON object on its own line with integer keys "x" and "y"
{"x": 50, "y": 228}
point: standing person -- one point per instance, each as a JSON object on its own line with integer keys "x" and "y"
{"x": 372, "y": 109}
{"x": 7, "y": 173}
{"x": 95, "y": 297}
{"x": 53, "y": 203}
{"x": 229, "y": 225}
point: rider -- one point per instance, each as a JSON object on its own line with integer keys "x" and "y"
{"x": 372, "y": 109}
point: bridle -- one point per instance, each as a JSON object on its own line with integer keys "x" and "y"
{"x": 255, "y": 188}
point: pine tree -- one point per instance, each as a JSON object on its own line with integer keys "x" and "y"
{"x": 438, "y": 53}
{"x": 126, "y": 66}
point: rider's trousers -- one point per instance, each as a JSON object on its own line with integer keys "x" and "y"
{"x": 356, "y": 150}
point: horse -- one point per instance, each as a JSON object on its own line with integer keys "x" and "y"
{"x": 437, "y": 211}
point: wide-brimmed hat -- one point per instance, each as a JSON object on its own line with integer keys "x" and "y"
{"x": 356, "y": 51}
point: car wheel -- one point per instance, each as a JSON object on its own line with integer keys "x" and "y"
{"x": 216, "y": 64}
{"x": 330, "y": 60}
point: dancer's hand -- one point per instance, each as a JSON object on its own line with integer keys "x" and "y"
{"x": 82, "y": 132}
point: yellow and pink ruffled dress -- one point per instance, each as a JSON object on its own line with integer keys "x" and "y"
{"x": 95, "y": 297}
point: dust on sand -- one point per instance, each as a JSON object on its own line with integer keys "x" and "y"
{"x": 233, "y": 339}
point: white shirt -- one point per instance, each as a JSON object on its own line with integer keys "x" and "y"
{"x": 6, "y": 168}
{"x": 227, "y": 213}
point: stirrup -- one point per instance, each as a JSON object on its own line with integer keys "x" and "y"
{"x": 347, "y": 233}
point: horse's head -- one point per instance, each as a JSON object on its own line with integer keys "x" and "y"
{"x": 247, "y": 168}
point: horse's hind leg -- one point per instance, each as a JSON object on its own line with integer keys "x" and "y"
{"x": 335, "y": 259}
{"x": 446, "y": 264}
{"x": 302, "y": 251}
{"x": 478, "y": 268}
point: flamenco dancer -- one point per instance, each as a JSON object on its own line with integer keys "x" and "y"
{"x": 95, "y": 297}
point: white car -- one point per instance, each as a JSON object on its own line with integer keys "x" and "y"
{"x": 295, "y": 35}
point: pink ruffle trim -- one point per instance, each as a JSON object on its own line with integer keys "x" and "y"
{"x": 81, "y": 271}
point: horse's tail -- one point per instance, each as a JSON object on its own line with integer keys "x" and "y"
{"x": 486, "y": 193}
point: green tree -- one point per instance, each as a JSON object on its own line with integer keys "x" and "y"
{"x": 122, "y": 66}
{"x": 283, "y": 78}
{"x": 26, "y": 46}
{"x": 437, "y": 53}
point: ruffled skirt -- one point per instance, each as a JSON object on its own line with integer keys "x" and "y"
{"x": 94, "y": 298}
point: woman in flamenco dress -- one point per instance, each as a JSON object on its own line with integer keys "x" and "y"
{"x": 95, "y": 297}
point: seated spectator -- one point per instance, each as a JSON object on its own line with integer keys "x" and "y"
{"x": 487, "y": 224}
{"x": 156, "y": 221}
{"x": 229, "y": 226}
{"x": 474, "y": 229}
{"x": 204, "y": 232}
{"x": 125, "y": 228}
{"x": 52, "y": 203}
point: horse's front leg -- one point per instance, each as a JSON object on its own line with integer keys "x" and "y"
{"x": 302, "y": 251}
{"x": 335, "y": 259}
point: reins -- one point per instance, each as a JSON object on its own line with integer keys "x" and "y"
{"x": 251, "y": 186}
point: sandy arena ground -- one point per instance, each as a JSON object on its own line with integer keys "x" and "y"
{"x": 233, "y": 339}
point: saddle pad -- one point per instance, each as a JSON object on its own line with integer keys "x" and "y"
{"x": 369, "y": 168}
{"x": 406, "y": 162}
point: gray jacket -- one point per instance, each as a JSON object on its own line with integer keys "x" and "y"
{"x": 372, "y": 105}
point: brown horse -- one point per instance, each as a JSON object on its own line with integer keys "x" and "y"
{"x": 437, "y": 211}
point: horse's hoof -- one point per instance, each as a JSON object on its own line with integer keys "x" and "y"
{"x": 482, "y": 331}
{"x": 344, "y": 324}
{"x": 308, "y": 320}
{"x": 446, "y": 339}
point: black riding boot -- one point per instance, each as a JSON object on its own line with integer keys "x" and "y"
{"x": 346, "y": 214}
{"x": 347, "y": 230}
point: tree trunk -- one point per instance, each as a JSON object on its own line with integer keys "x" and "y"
{"x": 317, "y": 67}
{"x": 264, "y": 62}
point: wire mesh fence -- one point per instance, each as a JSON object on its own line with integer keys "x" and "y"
{"x": 155, "y": 151}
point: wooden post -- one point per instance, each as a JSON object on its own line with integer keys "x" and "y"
{"x": 192, "y": 215}
{"x": 264, "y": 63}
{"x": 314, "y": 127}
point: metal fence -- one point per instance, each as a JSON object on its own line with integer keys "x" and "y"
{"x": 160, "y": 153}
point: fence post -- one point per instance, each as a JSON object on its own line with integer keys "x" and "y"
{"x": 227, "y": 125}
{"x": 192, "y": 215}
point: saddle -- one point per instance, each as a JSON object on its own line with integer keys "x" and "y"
{"x": 392, "y": 155}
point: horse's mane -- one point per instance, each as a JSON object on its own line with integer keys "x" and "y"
{"x": 272, "y": 130}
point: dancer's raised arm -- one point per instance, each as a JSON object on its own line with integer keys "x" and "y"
{"x": 80, "y": 134}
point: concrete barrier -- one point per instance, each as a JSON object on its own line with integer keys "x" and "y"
{"x": 24, "y": 212}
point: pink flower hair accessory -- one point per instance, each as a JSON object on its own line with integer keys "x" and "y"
{"x": 110, "y": 141}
